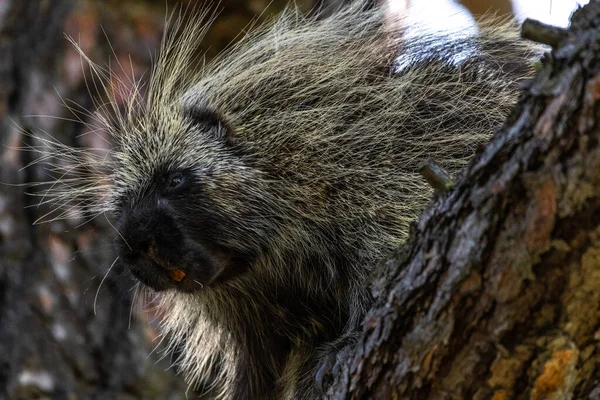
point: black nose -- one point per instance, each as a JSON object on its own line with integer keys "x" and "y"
{"x": 143, "y": 231}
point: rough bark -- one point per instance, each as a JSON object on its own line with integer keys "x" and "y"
{"x": 497, "y": 293}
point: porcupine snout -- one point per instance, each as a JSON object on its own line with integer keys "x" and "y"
{"x": 159, "y": 253}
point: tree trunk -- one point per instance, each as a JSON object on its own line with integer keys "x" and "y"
{"x": 497, "y": 293}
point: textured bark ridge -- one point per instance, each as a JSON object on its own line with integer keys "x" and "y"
{"x": 497, "y": 293}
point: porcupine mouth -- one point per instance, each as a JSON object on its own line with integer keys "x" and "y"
{"x": 189, "y": 268}
{"x": 162, "y": 253}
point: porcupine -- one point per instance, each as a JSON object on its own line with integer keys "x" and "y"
{"x": 257, "y": 195}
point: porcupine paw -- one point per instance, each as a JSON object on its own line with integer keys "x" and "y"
{"x": 326, "y": 372}
{"x": 331, "y": 361}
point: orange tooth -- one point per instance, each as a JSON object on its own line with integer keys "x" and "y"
{"x": 177, "y": 274}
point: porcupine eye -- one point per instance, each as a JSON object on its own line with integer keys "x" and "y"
{"x": 176, "y": 181}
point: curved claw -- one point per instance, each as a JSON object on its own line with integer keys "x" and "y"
{"x": 324, "y": 375}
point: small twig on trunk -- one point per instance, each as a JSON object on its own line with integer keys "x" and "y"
{"x": 542, "y": 33}
{"x": 436, "y": 176}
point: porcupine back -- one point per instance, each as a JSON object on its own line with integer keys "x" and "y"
{"x": 317, "y": 177}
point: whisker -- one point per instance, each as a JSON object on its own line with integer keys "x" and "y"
{"x": 133, "y": 302}
{"x": 101, "y": 282}
{"x": 116, "y": 230}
